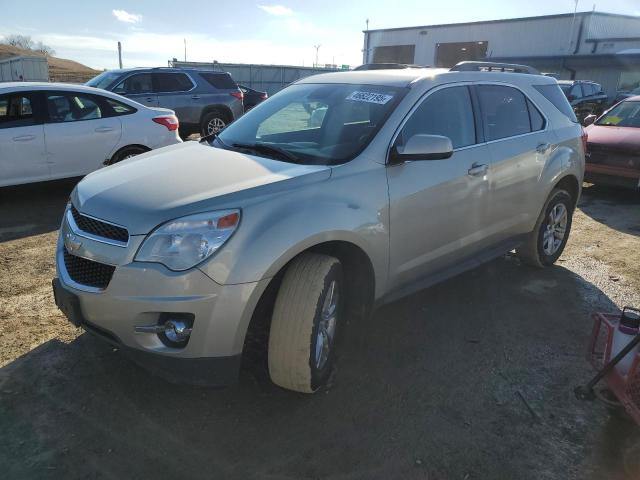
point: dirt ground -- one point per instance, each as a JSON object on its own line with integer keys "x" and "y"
{"x": 470, "y": 379}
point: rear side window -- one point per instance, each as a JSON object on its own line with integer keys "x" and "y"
{"x": 16, "y": 110}
{"x": 70, "y": 107}
{"x": 223, "y": 81}
{"x": 553, "y": 93}
{"x": 535, "y": 117}
{"x": 172, "y": 82}
{"x": 119, "y": 108}
{"x": 589, "y": 89}
{"x": 446, "y": 112}
{"x": 504, "y": 111}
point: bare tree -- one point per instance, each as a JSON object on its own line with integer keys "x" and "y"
{"x": 25, "y": 42}
{"x": 44, "y": 49}
{"x": 20, "y": 41}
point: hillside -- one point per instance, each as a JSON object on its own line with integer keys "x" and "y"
{"x": 60, "y": 69}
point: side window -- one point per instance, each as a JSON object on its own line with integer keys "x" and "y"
{"x": 589, "y": 89}
{"x": 447, "y": 112}
{"x": 504, "y": 111}
{"x": 223, "y": 81}
{"x": 576, "y": 91}
{"x": 138, "y": 83}
{"x": 70, "y": 107}
{"x": 535, "y": 117}
{"x": 16, "y": 110}
{"x": 171, "y": 82}
{"x": 119, "y": 108}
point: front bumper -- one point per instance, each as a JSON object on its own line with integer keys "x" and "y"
{"x": 139, "y": 293}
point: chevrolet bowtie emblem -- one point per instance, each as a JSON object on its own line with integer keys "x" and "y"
{"x": 72, "y": 242}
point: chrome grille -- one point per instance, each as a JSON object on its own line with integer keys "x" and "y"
{"x": 98, "y": 228}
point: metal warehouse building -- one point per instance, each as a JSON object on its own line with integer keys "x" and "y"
{"x": 595, "y": 46}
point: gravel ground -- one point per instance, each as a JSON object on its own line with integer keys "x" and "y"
{"x": 469, "y": 379}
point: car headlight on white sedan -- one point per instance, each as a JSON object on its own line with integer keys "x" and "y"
{"x": 185, "y": 242}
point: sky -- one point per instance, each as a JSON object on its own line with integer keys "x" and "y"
{"x": 244, "y": 31}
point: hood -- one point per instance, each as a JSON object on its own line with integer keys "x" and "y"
{"x": 142, "y": 192}
{"x": 622, "y": 138}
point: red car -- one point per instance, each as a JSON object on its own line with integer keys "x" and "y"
{"x": 613, "y": 146}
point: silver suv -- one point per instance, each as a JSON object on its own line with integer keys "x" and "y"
{"x": 204, "y": 101}
{"x": 342, "y": 191}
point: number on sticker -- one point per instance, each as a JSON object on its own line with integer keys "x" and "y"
{"x": 370, "y": 97}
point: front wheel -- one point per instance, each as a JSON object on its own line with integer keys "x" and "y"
{"x": 546, "y": 242}
{"x": 305, "y": 319}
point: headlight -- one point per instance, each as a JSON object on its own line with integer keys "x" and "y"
{"x": 185, "y": 242}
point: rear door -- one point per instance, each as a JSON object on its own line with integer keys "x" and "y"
{"x": 80, "y": 132}
{"x": 175, "y": 91}
{"x": 520, "y": 143}
{"x": 138, "y": 87}
{"x": 22, "y": 149}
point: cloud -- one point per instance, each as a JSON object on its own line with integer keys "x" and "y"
{"x": 277, "y": 10}
{"x": 126, "y": 17}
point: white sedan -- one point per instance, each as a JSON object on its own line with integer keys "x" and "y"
{"x": 53, "y": 130}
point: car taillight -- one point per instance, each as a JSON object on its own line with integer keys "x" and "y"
{"x": 239, "y": 95}
{"x": 169, "y": 121}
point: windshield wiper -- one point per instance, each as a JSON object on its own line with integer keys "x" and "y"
{"x": 270, "y": 150}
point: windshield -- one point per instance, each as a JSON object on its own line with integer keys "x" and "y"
{"x": 313, "y": 123}
{"x": 626, "y": 114}
{"x": 104, "y": 80}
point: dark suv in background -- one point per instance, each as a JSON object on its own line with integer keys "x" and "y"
{"x": 586, "y": 98}
{"x": 205, "y": 102}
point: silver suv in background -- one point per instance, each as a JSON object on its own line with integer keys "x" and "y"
{"x": 204, "y": 101}
{"x": 406, "y": 178}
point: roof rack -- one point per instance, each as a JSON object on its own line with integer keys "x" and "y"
{"x": 388, "y": 66}
{"x": 493, "y": 67}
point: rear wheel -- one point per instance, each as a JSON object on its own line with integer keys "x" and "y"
{"x": 305, "y": 319}
{"x": 546, "y": 242}
{"x": 213, "y": 122}
{"x": 125, "y": 153}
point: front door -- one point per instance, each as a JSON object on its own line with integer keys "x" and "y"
{"x": 79, "y": 137}
{"x": 438, "y": 207}
{"x": 22, "y": 154}
{"x": 138, "y": 87}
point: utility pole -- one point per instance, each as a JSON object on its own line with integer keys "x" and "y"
{"x": 120, "y": 55}
{"x": 573, "y": 21}
{"x": 185, "y": 50}
{"x": 317, "y": 47}
{"x": 365, "y": 51}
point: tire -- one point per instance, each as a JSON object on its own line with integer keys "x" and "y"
{"x": 213, "y": 122}
{"x": 537, "y": 250}
{"x": 301, "y": 323}
{"x": 125, "y": 153}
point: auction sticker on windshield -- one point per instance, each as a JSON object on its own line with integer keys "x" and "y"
{"x": 370, "y": 97}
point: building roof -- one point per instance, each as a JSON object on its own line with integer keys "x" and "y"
{"x": 519, "y": 19}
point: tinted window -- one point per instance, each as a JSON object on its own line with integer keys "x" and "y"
{"x": 222, "y": 81}
{"x": 72, "y": 108}
{"x": 16, "y": 110}
{"x": 138, "y": 83}
{"x": 555, "y": 96}
{"x": 535, "y": 117}
{"x": 119, "y": 108}
{"x": 104, "y": 80}
{"x": 447, "y": 112}
{"x": 589, "y": 89}
{"x": 576, "y": 91}
{"x": 172, "y": 82}
{"x": 504, "y": 111}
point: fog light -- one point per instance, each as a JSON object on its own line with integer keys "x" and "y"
{"x": 176, "y": 330}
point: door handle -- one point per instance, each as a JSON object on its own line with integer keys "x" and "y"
{"x": 542, "y": 148}
{"x": 476, "y": 169}
{"x": 195, "y": 97}
{"x": 24, "y": 138}
{"x": 104, "y": 129}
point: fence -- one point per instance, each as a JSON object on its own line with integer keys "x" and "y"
{"x": 266, "y": 78}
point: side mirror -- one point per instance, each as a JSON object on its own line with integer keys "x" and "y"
{"x": 589, "y": 119}
{"x": 422, "y": 147}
